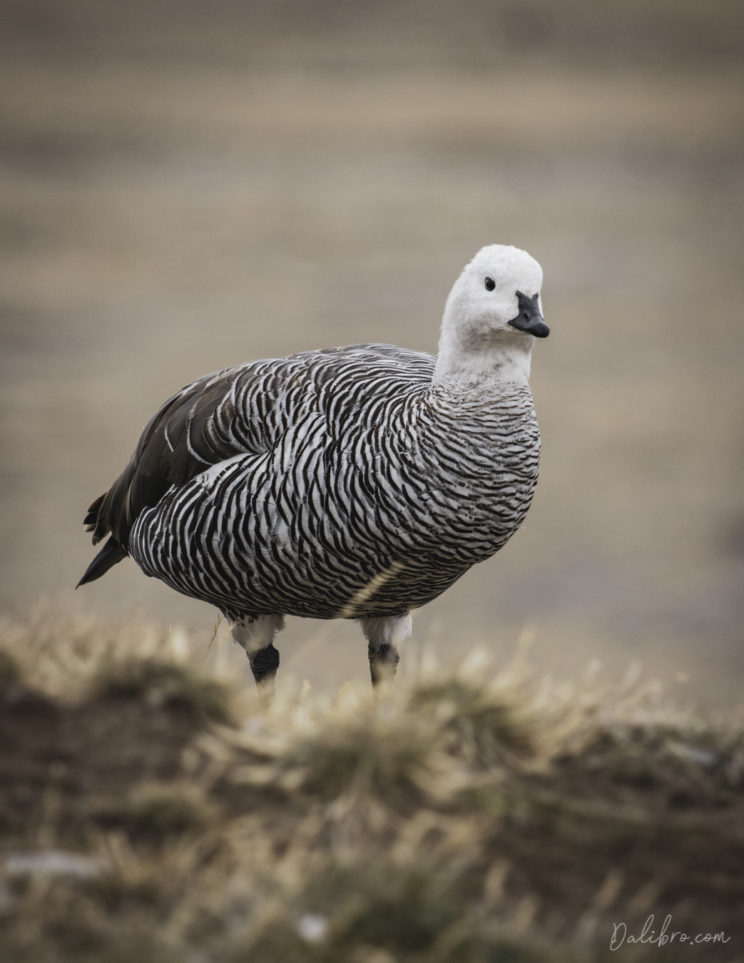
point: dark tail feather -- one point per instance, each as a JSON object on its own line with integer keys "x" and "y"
{"x": 91, "y": 519}
{"x": 110, "y": 554}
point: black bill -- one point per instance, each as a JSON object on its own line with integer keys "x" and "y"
{"x": 529, "y": 318}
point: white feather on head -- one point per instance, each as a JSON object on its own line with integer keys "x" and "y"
{"x": 477, "y": 340}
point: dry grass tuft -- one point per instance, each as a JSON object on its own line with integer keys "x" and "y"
{"x": 169, "y": 685}
{"x": 169, "y": 808}
{"x": 148, "y": 810}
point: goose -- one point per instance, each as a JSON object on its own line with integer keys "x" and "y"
{"x": 356, "y": 482}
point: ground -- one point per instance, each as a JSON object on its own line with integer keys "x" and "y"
{"x": 149, "y": 808}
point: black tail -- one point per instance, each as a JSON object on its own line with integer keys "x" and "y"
{"x": 110, "y": 554}
{"x": 91, "y": 519}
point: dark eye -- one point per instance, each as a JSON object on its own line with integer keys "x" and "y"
{"x": 490, "y": 284}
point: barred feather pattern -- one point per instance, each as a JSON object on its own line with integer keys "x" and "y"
{"x": 339, "y": 483}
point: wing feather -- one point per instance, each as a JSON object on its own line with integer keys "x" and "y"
{"x": 180, "y": 441}
{"x": 226, "y": 414}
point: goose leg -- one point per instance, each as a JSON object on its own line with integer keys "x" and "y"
{"x": 256, "y": 636}
{"x": 384, "y": 635}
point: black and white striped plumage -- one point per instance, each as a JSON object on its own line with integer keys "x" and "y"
{"x": 355, "y": 482}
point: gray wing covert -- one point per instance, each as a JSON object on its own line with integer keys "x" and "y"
{"x": 201, "y": 425}
{"x": 240, "y": 410}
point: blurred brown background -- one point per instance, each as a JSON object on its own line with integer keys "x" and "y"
{"x": 187, "y": 186}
